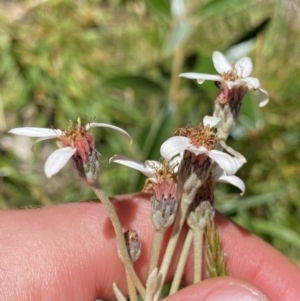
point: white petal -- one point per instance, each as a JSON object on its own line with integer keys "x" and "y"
{"x": 147, "y": 170}
{"x": 239, "y": 161}
{"x": 263, "y": 96}
{"x": 95, "y": 124}
{"x": 220, "y": 62}
{"x": 201, "y": 77}
{"x": 197, "y": 150}
{"x": 244, "y": 66}
{"x": 225, "y": 161}
{"x": 174, "y": 146}
{"x": 42, "y": 139}
{"x": 212, "y": 121}
{"x": 252, "y": 83}
{"x": 219, "y": 175}
{"x": 153, "y": 165}
{"x": 57, "y": 160}
{"x": 233, "y": 180}
{"x": 36, "y": 132}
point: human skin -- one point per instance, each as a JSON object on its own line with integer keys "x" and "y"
{"x": 68, "y": 252}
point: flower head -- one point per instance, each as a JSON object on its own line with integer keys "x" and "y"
{"x": 77, "y": 143}
{"x": 156, "y": 172}
{"x": 162, "y": 182}
{"x": 233, "y": 79}
{"x": 199, "y": 145}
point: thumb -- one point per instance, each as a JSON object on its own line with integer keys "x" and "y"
{"x": 220, "y": 289}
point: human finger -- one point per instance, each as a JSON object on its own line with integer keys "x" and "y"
{"x": 220, "y": 289}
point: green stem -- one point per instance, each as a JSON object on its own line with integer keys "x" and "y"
{"x": 181, "y": 263}
{"x": 157, "y": 242}
{"x": 120, "y": 238}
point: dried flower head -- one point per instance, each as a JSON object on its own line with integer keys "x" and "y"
{"x": 133, "y": 244}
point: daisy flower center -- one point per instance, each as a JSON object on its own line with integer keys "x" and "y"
{"x": 164, "y": 173}
{"x": 232, "y": 75}
{"x": 199, "y": 135}
{"x": 79, "y": 138}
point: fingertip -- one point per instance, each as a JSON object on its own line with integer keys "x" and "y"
{"x": 221, "y": 289}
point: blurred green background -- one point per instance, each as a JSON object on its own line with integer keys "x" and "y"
{"x": 117, "y": 61}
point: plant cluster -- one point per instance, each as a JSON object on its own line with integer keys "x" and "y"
{"x": 182, "y": 182}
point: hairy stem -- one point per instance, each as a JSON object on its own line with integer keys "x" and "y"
{"x": 120, "y": 238}
{"x": 181, "y": 263}
{"x": 198, "y": 245}
{"x": 157, "y": 242}
{"x": 131, "y": 287}
{"x": 151, "y": 284}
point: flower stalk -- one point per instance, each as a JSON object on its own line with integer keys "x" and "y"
{"x": 190, "y": 189}
{"x": 120, "y": 238}
{"x": 151, "y": 285}
{"x": 181, "y": 263}
{"x": 197, "y": 221}
{"x": 157, "y": 243}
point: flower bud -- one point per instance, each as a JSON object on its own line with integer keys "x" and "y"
{"x": 199, "y": 217}
{"x": 163, "y": 204}
{"x": 227, "y": 107}
{"x": 133, "y": 244}
{"x": 202, "y": 206}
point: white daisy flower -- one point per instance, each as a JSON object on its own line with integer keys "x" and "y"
{"x": 235, "y": 74}
{"x": 161, "y": 182}
{"x": 150, "y": 168}
{"x": 198, "y": 141}
{"x": 77, "y": 142}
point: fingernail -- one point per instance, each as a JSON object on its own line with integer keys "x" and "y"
{"x": 234, "y": 292}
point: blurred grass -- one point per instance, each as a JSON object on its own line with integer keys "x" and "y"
{"x": 113, "y": 61}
